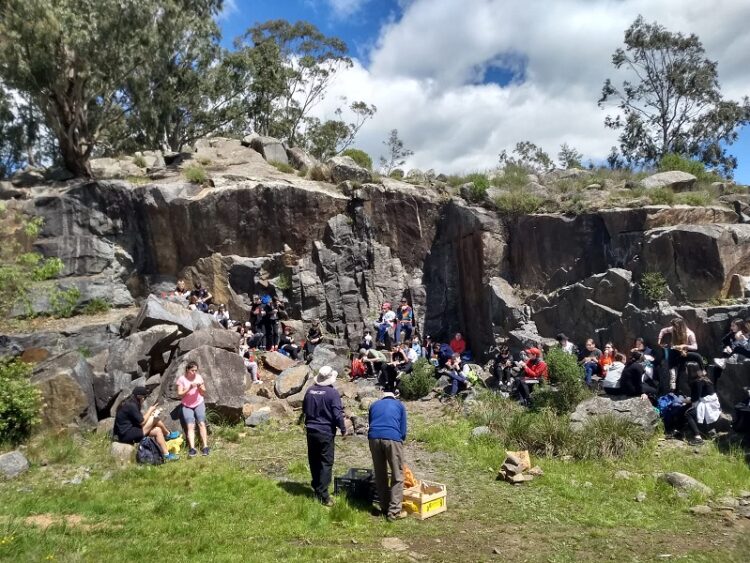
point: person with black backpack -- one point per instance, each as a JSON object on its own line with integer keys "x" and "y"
{"x": 131, "y": 427}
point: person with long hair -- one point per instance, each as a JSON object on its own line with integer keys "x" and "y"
{"x": 131, "y": 426}
{"x": 191, "y": 388}
{"x": 681, "y": 349}
{"x": 704, "y": 403}
{"x": 632, "y": 379}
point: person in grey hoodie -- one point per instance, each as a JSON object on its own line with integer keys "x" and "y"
{"x": 323, "y": 413}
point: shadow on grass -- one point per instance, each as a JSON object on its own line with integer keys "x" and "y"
{"x": 296, "y": 489}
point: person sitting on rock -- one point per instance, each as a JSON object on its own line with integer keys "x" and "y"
{"x": 632, "y": 379}
{"x": 458, "y": 344}
{"x": 366, "y": 343}
{"x": 416, "y": 345}
{"x": 251, "y": 365}
{"x": 287, "y": 344}
{"x": 704, "y": 406}
{"x": 533, "y": 371}
{"x": 358, "y": 369}
{"x": 611, "y": 381}
{"x": 681, "y": 349}
{"x": 375, "y": 362}
{"x": 590, "y": 361}
{"x": 411, "y": 356}
{"x": 566, "y": 345}
{"x": 502, "y": 368}
{"x": 193, "y": 303}
{"x": 181, "y": 291}
{"x": 427, "y": 348}
{"x": 384, "y": 322}
{"x": 404, "y": 321}
{"x": 314, "y": 337}
{"x": 202, "y": 295}
{"x": 459, "y": 382}
{"x": 735, "y": 342}
{"x": 399, "y": 363}
{"x": 131, "y": 426}
{"x": 191, "y": 389}
{"x": 222, "y": 316}
{"x": 606, "y": 359}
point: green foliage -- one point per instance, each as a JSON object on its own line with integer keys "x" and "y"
{"x": 96, "y": 305}
{"x": 139, "y": 161}
{"x": 608, "y": 437}
{"x": 671, "y": 101}
{"x": 419, "y": 382}
{"x": 661, "y": 196}
{"x": 674, "y": 161}
{"x": 396, "y": 153}
{"x": 479, "y": 186}
{"x": 396, "y": 174}
{"x": 138, "y": 180}
{"x": 64, "y": 302}
{"x": 195, "y": 173}
{"x": 328, "y": 138}
{"x": 569, "y": 157}
{"x": 284, "y": 280}
{"x": 567, "y": 376}
{"x": 204, "y": 161}
{"x": 654, "y": 286}
{"x": 696, "y": 199}
{"x": 518, "y": 202}
{"x": 360, "y": 157}
{"x": 514, "y": 177}
{"x": 529, "y": 157}
{"x": 20, "y": 402}
{"x": 282, "y": 167}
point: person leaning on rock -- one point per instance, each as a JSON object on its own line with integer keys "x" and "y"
{"x": 323, "y": 413}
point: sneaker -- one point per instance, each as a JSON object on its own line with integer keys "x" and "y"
{"x": 328, "y": 503}
{"x": 172, "y": 435}
{"x": 697, "y": 441}
{"x": 192, "y": 452}
{"x": 205, "y": 451}
{"x": 400, "y": 516}
{"x": 171, "y": 457}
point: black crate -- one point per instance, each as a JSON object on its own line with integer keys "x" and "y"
{"x": 357, "y": 484}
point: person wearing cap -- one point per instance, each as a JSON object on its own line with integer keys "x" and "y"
{"x": 323, "y": 412}
{"x": 386, "y": 435}
{"x": 131, "y": 426}
{"x": 404, "y": 321}
{"x": 533, "y": 371}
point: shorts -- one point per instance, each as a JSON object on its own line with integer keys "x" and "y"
{"x": 191, "y": 415}
{"x": 132, "y": 436}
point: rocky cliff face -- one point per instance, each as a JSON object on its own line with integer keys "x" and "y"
{"x": 338, "y": 252}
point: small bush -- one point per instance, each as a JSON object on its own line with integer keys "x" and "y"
{"x": 284, "y": 281}
{"x": 360, "y": 157}
{"x": 567, "y": 375}
{"x": 320, "y": 173}
{"x": 661, "y": 196}
{"x": 204, "y": 161}
{"x": 282, "y": 167}
{"x": 479, "y": 186}
{"x": 608, "y": 437}
{"x": 20, "y": 402}
{"x": 696, "y": 168}
{"x": 696, "y": 199}
{"x": 396, "y": 174}
{"x": 517, "y": 202}
{"x": 514, "y": 177}
{"x": 96, "y": 305}
{"x": 419, "y": 382}
{"x": 654, "y": 286}
{"x": 195, "y": 173}
{"x": 64, "y": 301}
{"x": 139, "y": 161}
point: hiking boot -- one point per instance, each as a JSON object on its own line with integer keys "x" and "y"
{"x": 205, "y": 451}
{"x": 171, "y": 457}
{"x": 400, "y": 516}
{"x": 192, "y": 452}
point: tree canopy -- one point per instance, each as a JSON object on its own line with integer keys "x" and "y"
{"x": 671, "y": 102}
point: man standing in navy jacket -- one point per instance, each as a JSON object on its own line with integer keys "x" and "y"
{"x": 323, "y": 413}
{"x": 387, "y": 434}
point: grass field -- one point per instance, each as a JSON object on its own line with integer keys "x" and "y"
{"x": 249, "y": 501}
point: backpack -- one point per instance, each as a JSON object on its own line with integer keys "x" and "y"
{"x": 149, "y": 452}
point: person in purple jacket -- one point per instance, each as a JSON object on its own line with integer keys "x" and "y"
{"x": 386, "y": 436}
{"x": 323, "y": 413}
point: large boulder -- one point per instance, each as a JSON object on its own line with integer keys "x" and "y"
{"x": 216, "y": 337}
{"x": 685, "y": 483}
{"x": 635, "y": 410}
{"x": 344, "y": 168}
{"x": 731, "y": 386}
{"x": 225, "y": 376}
{"x": 12, "y": 464}
{"x": 300, "y": 160}
{"x": 277, "y": 362}
{"x": 66, "y": 384}
{"x": 271, "y": 149}
{"x": 291, "y": 381}
{"x": 676, "y": 180}
{"x": 155, "y": 311}
{"x": 329, "y": 355}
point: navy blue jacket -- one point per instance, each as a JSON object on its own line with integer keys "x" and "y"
{"x": 323, "y": 410}
{"x": 387, "y": 420}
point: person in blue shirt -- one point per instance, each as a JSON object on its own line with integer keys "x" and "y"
{"x": 323, "y": 413}
{"x": 386, "y": 436}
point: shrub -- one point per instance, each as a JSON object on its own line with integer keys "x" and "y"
{"x": 204, "y": 161}
{"x": 360, "y": 157}
{"x": 654, "y": 286}
{"x": 608, "y": 437}
{"x": 419, "y": 382}
{"x": 517, "y": 202}
{"x": 320, "y": 173}
{"x": 284, "y": 281}
{"x": 282, "y": 167}
{"x": 696, "y": 199}
{"x": 479, "y": 186}
{"x": 64, "y": 301}
{"x": 96, "y": 305}
{"x": 513, "y": 177}
{"x": 20, "y": 402}
{"x": 674, "y": 161}
{"x": 139, "y": 161}
{"x": 661, "y": 196}
{"x": 396, "y": 174}
{"x": 195, "y": 174}
{"x": 567, "y": 375}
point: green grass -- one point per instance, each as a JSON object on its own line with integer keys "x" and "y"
{"x": 518, "y": 202}
{"x": 282, "y": 167}
{"x": 195, "y": 173}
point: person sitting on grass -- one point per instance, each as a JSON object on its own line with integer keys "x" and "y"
{"x": 191, "y": 388}
{"x": 533, "y": 371}
{"x": 704, "y": 406}
{"x": 131, "y": 426}
{"x": 503, "y": 366}
{"x": 590, "y": 361}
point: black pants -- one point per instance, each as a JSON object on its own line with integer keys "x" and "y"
{"x": 272, "y": 334}
{"x": 692, "y": 419}
{"x": 388, "y": 377}
{"x": 677, "y": 360}
{"x": 320, "y": 457}
{"x": 292, "y": 350}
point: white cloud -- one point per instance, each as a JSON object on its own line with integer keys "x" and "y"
{"x": 230, "y": 7}
{"x": 424, "y": 65}
{"x": 345, "y": 8}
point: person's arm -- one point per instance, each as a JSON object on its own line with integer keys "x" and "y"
{"x": 403, "y": 423}
{"x": 182, "y": 389}
{"x": 338, "y": 412}
{"x": 202, "y": 387}
{"x": 692, "y": 343}
{"x": 662, "y": 332}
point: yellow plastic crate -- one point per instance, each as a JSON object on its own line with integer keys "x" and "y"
{"x": 426, "y": 499}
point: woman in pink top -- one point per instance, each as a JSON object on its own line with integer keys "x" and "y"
{"x": 191, "y": 388}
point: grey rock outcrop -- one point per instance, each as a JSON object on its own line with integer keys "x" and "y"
{"x": 344, "y": 168}
{"x": 291, "y": 381}
{"x": 12, "y": 464}
{"x": 636, "y": 411}
{"x": 155, "y": 311}
{"x": 271, "y": 149}
{"x": 66, "y": 384}
{"x": 676, "y": 180}
{"x": 215, "y": 337}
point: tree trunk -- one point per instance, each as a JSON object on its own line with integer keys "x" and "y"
{"x": 74, "y": 159}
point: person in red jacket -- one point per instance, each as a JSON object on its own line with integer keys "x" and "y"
{"x": 533, "y": 370}
{"x": 458, "y": 344}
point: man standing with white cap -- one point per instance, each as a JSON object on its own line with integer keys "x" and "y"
{"x": 323, "y": 413}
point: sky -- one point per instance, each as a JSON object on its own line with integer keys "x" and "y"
{"x": 463, "y": 80}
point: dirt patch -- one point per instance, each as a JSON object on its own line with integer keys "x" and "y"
{"x": 44, "y": 521}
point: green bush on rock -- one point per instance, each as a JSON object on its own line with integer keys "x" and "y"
{"x": 419, "y": 382}
{"x": 20, "y": 402}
